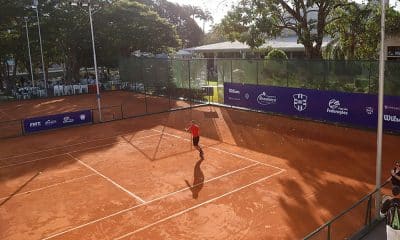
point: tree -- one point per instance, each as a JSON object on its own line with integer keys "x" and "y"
{"x": 216, "y": 35}
{"x": 276, "y": 54}
{"x": 120, "y": 27}
{"x": 356, "y": 33}
{"x": 180, "y": 16}
{"x": 252, "y": 21}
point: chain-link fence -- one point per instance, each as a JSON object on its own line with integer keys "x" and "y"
{"x": 353, "y": 223}
{"x": 143, "y": 86}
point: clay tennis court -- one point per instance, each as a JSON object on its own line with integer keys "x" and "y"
{"x": 130, "y": 103}
{"x": 263, "y": 177}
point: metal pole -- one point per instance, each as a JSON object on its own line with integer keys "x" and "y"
{"x": 95, "y": 64}
{"x": 380, "y": 110}
{"x": 29, "y": 51}
{"x": 41, "y": 48}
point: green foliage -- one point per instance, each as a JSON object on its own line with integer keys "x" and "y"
{"x": 216, "y": 35}
{"x": 356, "y": 32}
{"x": 276, "y": 54}
{"x": 182, "y": 17}
{"x": 119, "y": 27}
{"x": 252, "y": 21}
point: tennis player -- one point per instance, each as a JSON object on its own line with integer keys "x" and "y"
{"x": 194, "y": 129}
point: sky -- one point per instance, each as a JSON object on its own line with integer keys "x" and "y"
{"x": 219, "y": 8}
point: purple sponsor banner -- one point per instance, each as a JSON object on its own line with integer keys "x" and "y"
{"x": 43, "y": 123}
{"x": 338, "y": 107}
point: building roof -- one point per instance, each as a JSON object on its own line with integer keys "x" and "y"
{"x": 283, "y": 43}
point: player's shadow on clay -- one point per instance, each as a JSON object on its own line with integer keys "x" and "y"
{"x": 198, "y": 180}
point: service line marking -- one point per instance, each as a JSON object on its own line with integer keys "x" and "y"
{"x": 220, "y": 150}
{"x": 75, "y": 144}
{"x": 50, "y": 186}
{"x": 197, "y": 206}
{"x": 148, "y": 202}
{"x": 108, "y": 179}
{"x": 76, "y": 151}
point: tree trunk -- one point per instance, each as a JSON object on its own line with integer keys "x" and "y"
{"x": 312, "y": 52}
{"x": 72, "y": 69}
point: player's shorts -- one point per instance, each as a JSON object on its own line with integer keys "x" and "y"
{"x": 196, "y": 141}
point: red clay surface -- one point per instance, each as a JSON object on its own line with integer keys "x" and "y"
{"x": 263, "y": 177}
{"x": 133, "y": 104}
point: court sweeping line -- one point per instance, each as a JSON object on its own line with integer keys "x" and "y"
{"x": 50, "y": 186}
{"x": 197, "y": 206}
{"x": 81, "y": 150}
{"x": 147, "y": 203}
{"x": 217, "y": 149}
{"x": 108, "y": 179}
{"x": 71, "y": 145}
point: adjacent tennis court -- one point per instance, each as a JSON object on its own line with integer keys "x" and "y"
{"x": 263, "y": 177}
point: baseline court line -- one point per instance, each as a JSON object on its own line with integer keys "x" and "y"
{"x": 217, "y": 149}
{"x": 146, "y": 203}
{"x": 197, "y": 206}
{"x": 108, "y": 179}
{"x": 71, "y": 145}
{"x": 85, "y": 149}
{"x": 50, "y": 186}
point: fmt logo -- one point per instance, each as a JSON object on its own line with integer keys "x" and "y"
{"x": 300, "y": 102}
{"x": 35, "y": 124}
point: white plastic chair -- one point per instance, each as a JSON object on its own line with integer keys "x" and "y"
{"x": 67, "y": 90}
{"x": 77, "y": 89}
{"x": 84, "y": 88}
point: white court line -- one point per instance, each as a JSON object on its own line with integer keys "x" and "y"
{"x": 220, "y": 150}
{"x": 50, "y": 186}
{"x": 6, "y": 115}
{"x": 71, "y": 145}
{"x": 108, "y": 179}
{"x": 81, "y": 150}
{"x": 146, "y": 203}
{"x": 243, "y": 157}
{"x": 197, "y": 206}
{"x": 57, "y": 155}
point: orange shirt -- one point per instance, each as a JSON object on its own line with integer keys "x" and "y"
{"x": 195, "y": 130}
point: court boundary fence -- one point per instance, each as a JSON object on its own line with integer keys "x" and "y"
{"x": 369, "y": 221}
{"x": 15, "y": 128}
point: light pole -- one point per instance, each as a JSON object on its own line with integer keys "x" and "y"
{"x": 35, "y": 5}
{"x": 29, "y": 49}
{"x": 380, "y": 108}
{"x": 87, "y": 4}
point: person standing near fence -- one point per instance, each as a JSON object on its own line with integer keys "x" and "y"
{"x": 391, "y": 209}
{"x": 194, "y": 129}
{"x": 395, "y": 174}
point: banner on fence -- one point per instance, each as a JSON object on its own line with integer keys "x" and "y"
{"x": 43, "y": 123}
{"x": 338, "y": 107}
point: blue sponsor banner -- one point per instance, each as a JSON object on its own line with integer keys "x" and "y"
{"x": 338, "y": 107}
{"x": 43, "y": 123}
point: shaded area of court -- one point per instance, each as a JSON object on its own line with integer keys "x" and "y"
{"x": 262, "y": 177}
{"x": 115, "y": 105}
